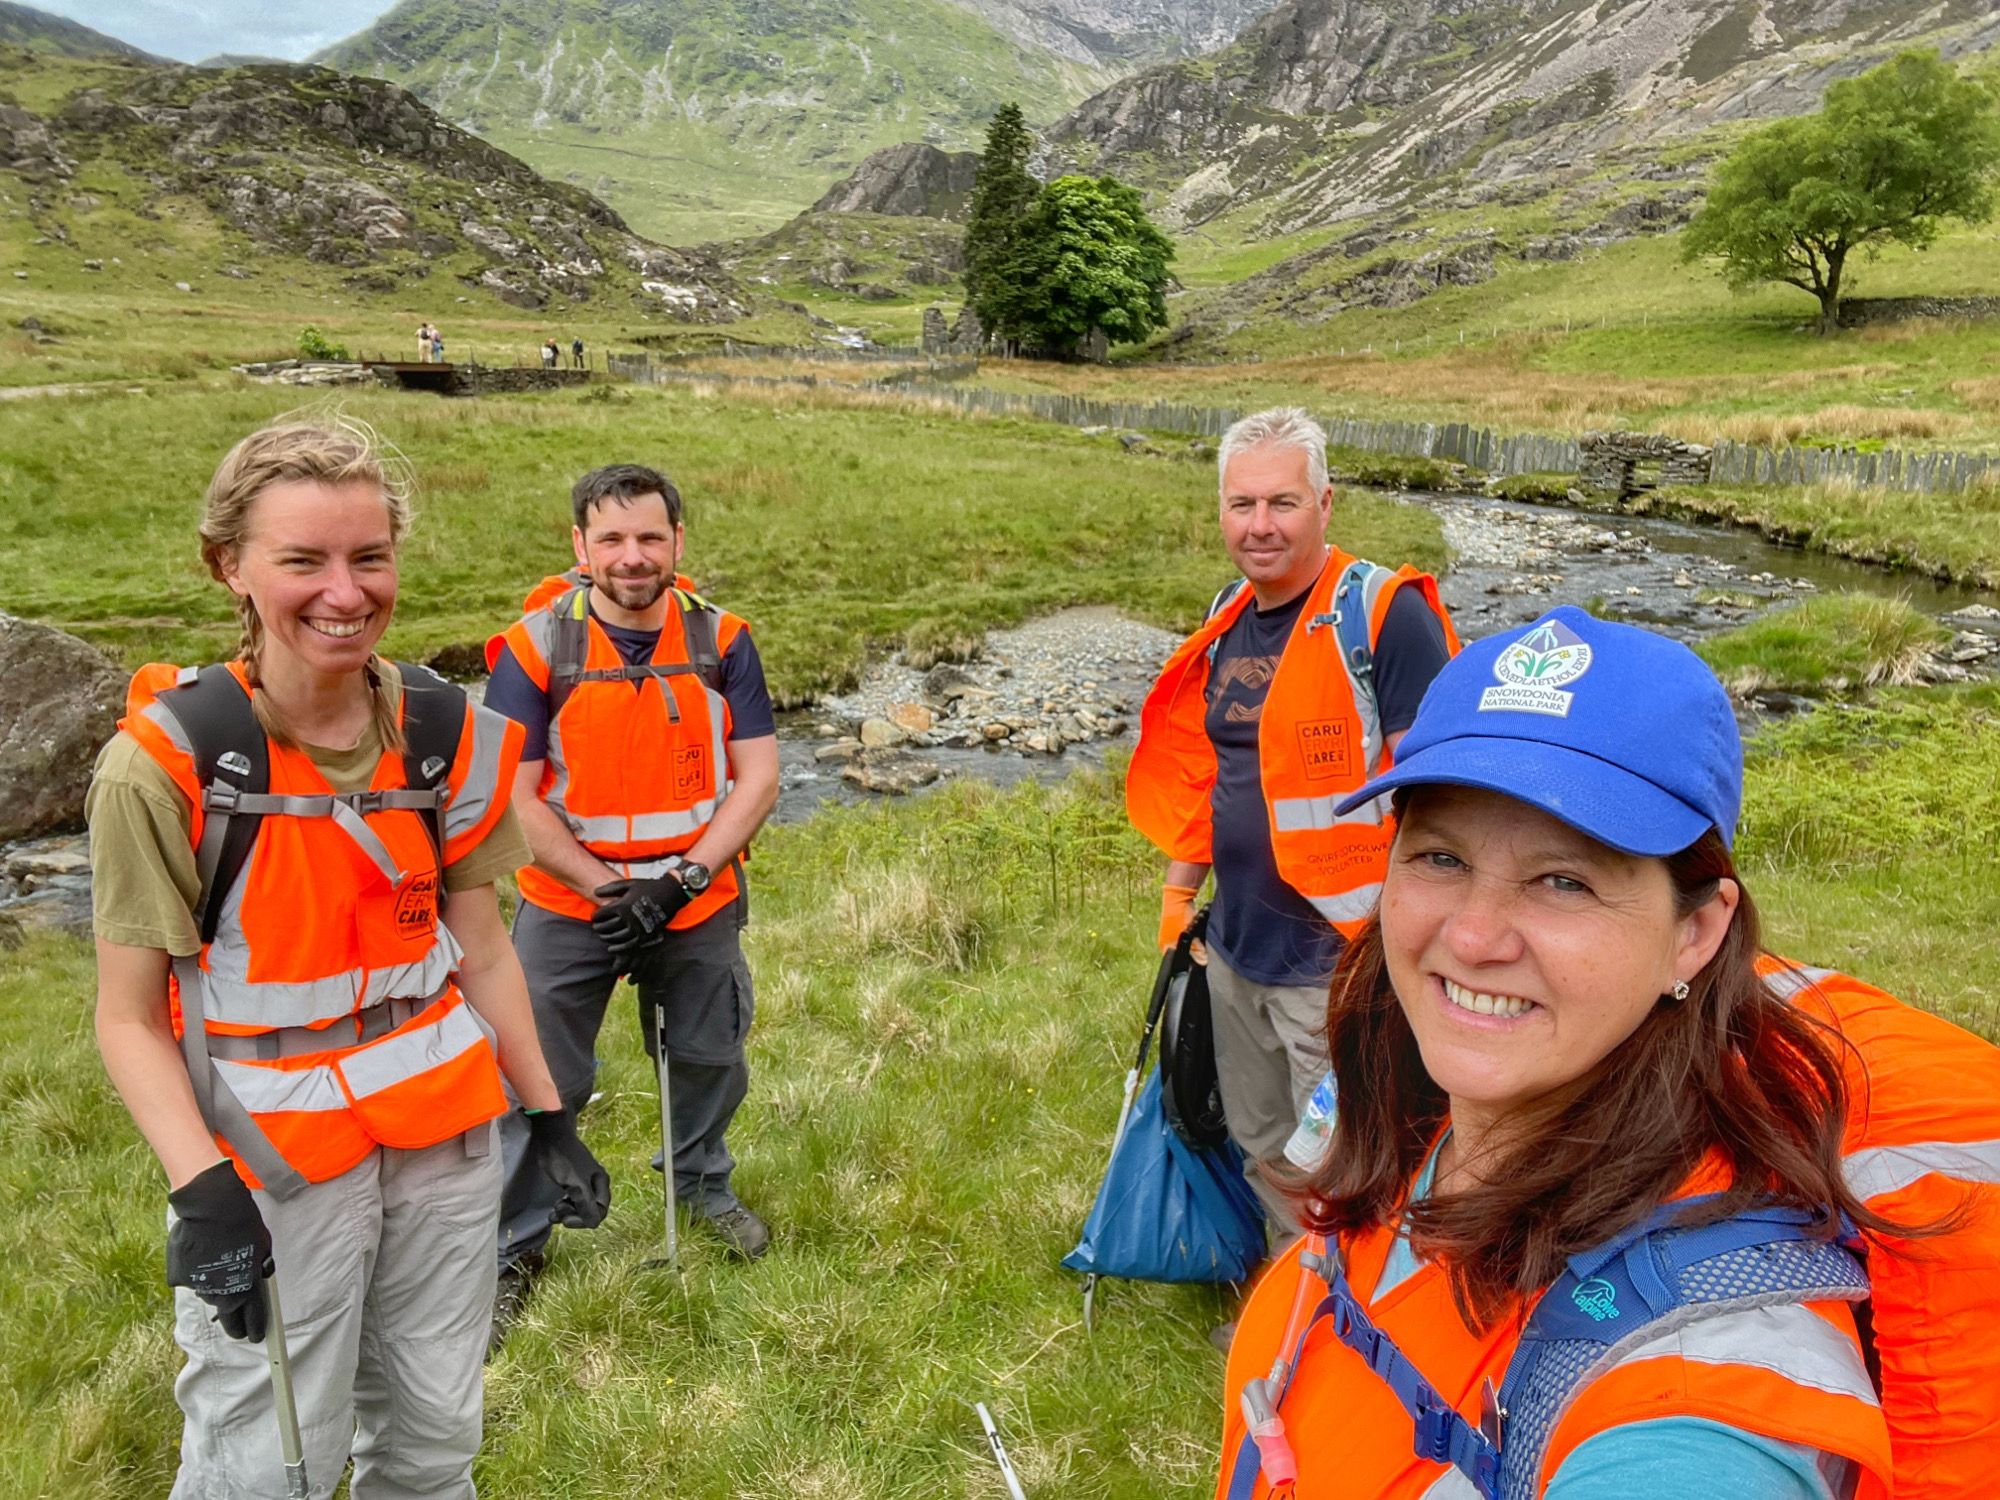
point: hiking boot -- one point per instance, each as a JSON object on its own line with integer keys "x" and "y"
{"x": 742, "y": 1233}
{"x": 510, "y": 1298}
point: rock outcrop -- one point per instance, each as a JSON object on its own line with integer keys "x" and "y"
{"x": 913, "y": 181}
{"x": 1385, "y": 101}
{"x": 349, "y": 172}
{"x": 59, "y": 702}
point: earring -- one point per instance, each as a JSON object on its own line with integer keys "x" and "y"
{"x": 1680, "y": 989}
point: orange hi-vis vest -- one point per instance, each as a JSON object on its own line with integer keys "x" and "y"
{"x": 638, "y": 758}
{"x": 320, "y": 1019}
{"x": 1922, "y": 1144}
{"x": 1794, "y": 1371}
{"x": 1319, "y": 738}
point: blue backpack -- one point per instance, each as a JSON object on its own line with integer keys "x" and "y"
{"x": 1657, "y": 1276}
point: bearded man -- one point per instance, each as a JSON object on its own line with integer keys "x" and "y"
{"x": 651, "y": 760}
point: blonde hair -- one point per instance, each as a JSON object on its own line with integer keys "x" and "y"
{"x": 1280, "y": 427}
{"x": 326, "y": 446}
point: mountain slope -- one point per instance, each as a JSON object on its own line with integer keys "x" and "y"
{"x": 709, "y": 119}
{"x": 1326, "y": 110}
{"x": 37, "y": 30}
{"x": 305, "y": 174}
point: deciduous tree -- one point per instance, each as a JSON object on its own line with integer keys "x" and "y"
{"x": 1889, "y": 157}
{"x": 1085, "y": 256}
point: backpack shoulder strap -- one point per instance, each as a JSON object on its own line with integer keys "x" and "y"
{"x": 569, "y": 645}
{"x": 1657, "y": 1277}
{"x": 700, "y": 624}
{"x": 1353, "y": 606}
{"x": 433, "y": 724}
{"x": 231, "y": 755}
{"x": 1224, "y": 596}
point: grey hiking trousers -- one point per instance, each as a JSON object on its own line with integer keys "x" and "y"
{"x": 1270, "y": 1054}
{"x": 701, "y": 974}
{"x": 385, "y": 1276}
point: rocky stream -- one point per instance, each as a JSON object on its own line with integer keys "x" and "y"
{"x": 1040, "y": 698}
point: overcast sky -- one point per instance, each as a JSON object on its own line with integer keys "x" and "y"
{"x": 193, "y": 29}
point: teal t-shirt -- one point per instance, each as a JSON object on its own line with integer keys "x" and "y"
{"x": 1670, "y": 1455}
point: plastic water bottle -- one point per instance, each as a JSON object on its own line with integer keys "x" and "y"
{"x": 1307, "y": 1147}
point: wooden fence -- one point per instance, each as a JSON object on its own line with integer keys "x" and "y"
{"x": 1479, "y": 448}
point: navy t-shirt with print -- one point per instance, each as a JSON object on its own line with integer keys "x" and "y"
{"x": 513, "y": 692}
{"x": 1261, "y": 927}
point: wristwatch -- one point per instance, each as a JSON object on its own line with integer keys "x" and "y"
{"x": 693, "y": 877}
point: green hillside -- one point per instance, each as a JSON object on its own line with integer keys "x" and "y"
{"x": 711, "y": 120}
{"x": 24, "y": 26}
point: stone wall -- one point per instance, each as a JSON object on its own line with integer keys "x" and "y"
{"x": 488, "y": 380}
{"x": 965, "y": 335}
{"x": 1858, "y": 312}
{"x": 1624, "y": 463}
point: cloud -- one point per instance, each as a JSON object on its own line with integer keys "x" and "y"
{"x": 191, "y": 30}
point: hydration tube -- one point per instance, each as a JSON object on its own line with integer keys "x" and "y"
{"x": 1262, "y": 1397}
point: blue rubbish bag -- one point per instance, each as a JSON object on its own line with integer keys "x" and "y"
{"x": 1168, "y": 1212}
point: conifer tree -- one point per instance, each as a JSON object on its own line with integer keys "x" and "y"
{"x": 1002, "y": 193}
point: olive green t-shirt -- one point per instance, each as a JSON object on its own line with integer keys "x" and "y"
{"x": 142, "y": 868}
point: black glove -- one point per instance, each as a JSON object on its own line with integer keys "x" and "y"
{"x": 637, "y": 913}
{"x": 220, "y": 1250}
{"x": 579, "y": 1177}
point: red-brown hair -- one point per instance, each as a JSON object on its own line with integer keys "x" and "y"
{"x": 1731, "y": 1069}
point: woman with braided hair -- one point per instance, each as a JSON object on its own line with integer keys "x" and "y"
{"x": 306, "y": 997}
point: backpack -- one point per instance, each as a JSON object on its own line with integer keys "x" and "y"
{"x": 1190, "y": 1094}
{"x": 1350, "y": 626}
{"x": 567, "y": 597}
{"x": 232, "y": 763}
{"x": 1657, "y": 1276}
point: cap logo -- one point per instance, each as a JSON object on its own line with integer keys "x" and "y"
{"x": 1532, "y": 671}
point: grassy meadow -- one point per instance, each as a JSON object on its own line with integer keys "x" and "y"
{"x": 948, "y": 989}
{"x": 836, "y": 523}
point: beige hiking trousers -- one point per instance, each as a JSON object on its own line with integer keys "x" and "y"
{"x": 386, "y": 1279}
{"x": 1270, "y": 1054}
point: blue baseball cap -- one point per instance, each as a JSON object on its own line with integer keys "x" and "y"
{"x": 1619, "y": 732}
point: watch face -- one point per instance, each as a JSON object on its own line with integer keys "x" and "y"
{"x": 694, "y": 877}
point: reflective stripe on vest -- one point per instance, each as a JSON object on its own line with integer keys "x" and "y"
{"x": 637, "y": 764}
{"x": 1319, "y": 736}
{"x": 335, "y": 911}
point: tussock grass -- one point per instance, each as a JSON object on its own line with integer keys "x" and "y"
{"x": 1832, "y": 644}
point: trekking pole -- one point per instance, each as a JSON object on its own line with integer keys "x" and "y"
{"x": 673, "y": 1255}
{"x": 999, "y": 1453}
{"x": 289, "y": 1443}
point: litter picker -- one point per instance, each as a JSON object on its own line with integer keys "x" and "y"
{"x": 289, "y": 1443}
{"x": 672, "y": 1259}
{"x": 1007, "y": 1473}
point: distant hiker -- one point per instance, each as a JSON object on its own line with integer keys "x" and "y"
{"x": 425, "y": 335}
{"x": 576, "y": 353}
{"x": 651, "y": 759}
{"x": 1617, "y": 1203}
{"x": 437, "y": 345}
{"x": 1259, "y": 719}
{"x": 549, "y": 355}
{"x": 335, "y": 957}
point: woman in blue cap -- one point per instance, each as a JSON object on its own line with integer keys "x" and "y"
{"x": 1614, "y": 1198}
